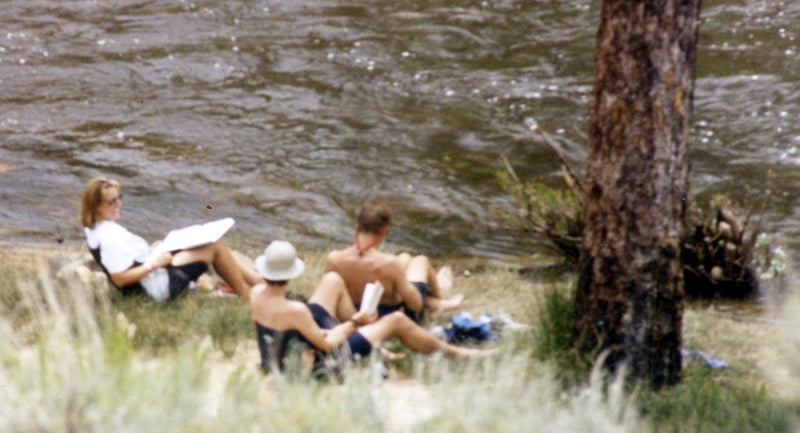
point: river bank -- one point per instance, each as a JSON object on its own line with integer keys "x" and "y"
{"x": 203, "y": 345}
{"x": 734, "y": 331}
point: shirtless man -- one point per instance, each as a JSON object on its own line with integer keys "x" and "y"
{"x": 408, "y": 281}
{"x": 328, "y": 322}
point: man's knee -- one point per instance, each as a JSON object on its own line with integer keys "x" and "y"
{"x": 332, "y": 278}
{"x": 421, "y": 260}
{"x": 399, "y": 319}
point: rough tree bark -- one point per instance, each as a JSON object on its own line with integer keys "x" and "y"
{"x": 630, "y": 298}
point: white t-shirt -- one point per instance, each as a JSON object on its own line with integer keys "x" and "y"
{"x": 120, "y": 249}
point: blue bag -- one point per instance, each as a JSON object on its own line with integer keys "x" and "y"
{"x": 464, "y": 328}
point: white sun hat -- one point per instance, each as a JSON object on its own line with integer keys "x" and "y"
{"x": 279, "y": 262}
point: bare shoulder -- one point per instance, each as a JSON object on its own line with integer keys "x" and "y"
{"x": 335, "y": 258}
{"x": 289, "y": 315}
{"x": 294, "y": 306}
{"x": 257, "y": 294}
{"x": 258, "y": 288}
{"x": 297, "y": 309}
{"x": 393, "y": 261}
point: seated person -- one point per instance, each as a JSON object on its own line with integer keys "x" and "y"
{"x": 129, "y": 261}
{"x": 408, "y": 281}
{"x": 329, "y": 320}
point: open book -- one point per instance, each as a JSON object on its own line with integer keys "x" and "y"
{"x": 371, "y": 297}
{"x": 194, "y": 236}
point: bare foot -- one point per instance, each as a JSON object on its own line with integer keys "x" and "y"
{"x": 467, "y": 353}
{"x": 226, "y": 288}
{"x": 438, "y": 306}
{"x": 444, "y": 280}
{"x": 391, "y": 356}
{"x": 452, "y": 302}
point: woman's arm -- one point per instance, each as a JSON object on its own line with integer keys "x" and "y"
{"x": 324, "y": 339}
{"x": 136, "y": 273}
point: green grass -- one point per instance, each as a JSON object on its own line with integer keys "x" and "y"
{"x": 75, "y": 357}
{"x": 701, "y": 403}
{"x": 162, "y": 327}
{"x": 554, "y": 337}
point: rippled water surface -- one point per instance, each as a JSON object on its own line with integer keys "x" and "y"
{"x": 287, "y": 114}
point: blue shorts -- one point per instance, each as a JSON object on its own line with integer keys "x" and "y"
{"x": 423, "y": 289}
{"x": 388, "y": 309}
{"x": 358, "y": 344}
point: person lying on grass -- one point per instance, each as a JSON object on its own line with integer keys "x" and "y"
{"x": 130, "y": 262}
{"x": 329, "y": 320}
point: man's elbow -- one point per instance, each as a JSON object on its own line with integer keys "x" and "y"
{"x": 119, "y": 280}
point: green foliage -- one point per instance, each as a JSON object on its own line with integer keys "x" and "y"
{"x": 119, "y": 349}
{"x": 703, "y": 404}
{"x": 555, "y": 216}
{"x": 720, "y": 249}
{"x": 555, "y": 334}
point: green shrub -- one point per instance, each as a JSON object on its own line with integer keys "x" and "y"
{"x": 555, "y": 334}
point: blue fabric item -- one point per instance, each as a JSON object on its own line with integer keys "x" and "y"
{"x": 711, "y": 362}
{"x": 714, "y": 363}
{"x": 464, "y": 327}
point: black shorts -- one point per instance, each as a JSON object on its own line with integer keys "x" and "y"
{"x": 358, "y": 344}
{"x": 181, "y": 276}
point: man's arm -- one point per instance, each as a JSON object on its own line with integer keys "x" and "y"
{"x": 324, "y": 339}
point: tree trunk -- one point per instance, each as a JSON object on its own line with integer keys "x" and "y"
{"x": 630, "y": 298}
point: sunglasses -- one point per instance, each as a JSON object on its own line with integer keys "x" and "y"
{"x": 115, "y": 200}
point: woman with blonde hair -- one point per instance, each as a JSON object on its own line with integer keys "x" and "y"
{"x": 133, "y": 266}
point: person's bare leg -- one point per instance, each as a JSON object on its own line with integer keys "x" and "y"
{"x": 229, "y": 268}
{"x": 405, "y": 259}
{"x": 444, "y": 280}
{"x": 419, "y": 269}
{"x": 437, "y": 306}
{"x": 415, "y": 337}
{"x": 219, "y": 256}
{"x": 332, "y": 295}
{"x": 249, "y": 273}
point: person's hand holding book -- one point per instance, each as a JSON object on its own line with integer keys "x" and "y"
{"x": 362, "y": 318}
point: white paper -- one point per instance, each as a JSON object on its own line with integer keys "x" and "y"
{"x": 194, "y": 236}
{"x": 371, "y": 297}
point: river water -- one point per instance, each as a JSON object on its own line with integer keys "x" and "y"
{"x": 286, "y": 115}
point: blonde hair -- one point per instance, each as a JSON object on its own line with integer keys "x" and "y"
{"x": 93, "y": 197}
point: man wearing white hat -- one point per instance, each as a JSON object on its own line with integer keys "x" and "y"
{"x": 329, "y": 320}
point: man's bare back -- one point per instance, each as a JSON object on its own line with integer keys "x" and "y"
{"x": 358, "y": 269}
{"x": 363, "y": 263}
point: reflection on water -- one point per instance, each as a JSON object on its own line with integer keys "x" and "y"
{"x": 286, "y": 115}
